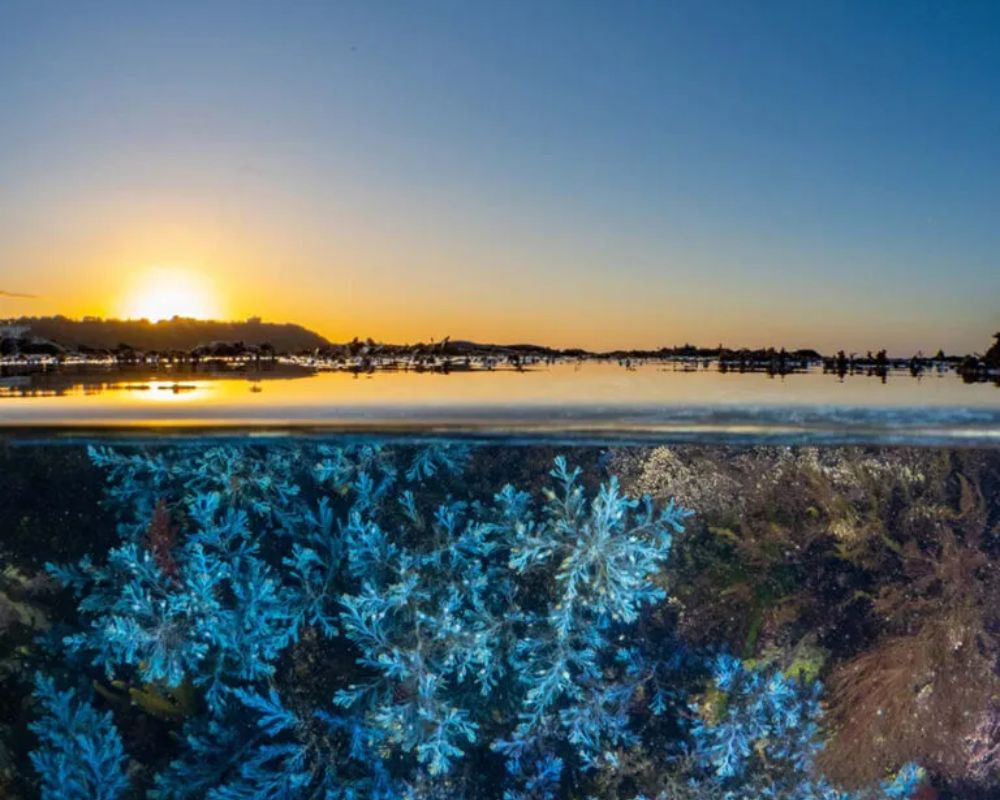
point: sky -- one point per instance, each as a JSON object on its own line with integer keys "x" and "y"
{"x": 809, "y": 174}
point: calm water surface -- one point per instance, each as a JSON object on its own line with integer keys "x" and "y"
{"x": 590, "y": 397}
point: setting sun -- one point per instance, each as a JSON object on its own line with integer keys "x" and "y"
{"x": 162, "y": 293}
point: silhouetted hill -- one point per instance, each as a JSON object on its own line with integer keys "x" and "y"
{"x": 178, "y": 334}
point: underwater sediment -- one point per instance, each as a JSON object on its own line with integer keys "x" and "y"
{"x": 324, "y": 618}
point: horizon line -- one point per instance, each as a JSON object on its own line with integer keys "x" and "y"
{"x": 258, "y": 319}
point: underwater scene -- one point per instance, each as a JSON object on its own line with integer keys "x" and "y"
{"x": 366, "y": 618}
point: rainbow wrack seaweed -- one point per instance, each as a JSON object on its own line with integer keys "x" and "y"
{"x": 80, "y": 756}
{"x": 357, "y": 627}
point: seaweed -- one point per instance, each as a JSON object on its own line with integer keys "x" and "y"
{"x": 788, "y": 541}
{"x": 354, "y": 630}
{"x": 927, "y": 688}
{"x": 80, "y": 756}
{"x": 760, "y": 734}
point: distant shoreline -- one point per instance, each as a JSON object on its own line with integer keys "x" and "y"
{"x": 44, "y": 343}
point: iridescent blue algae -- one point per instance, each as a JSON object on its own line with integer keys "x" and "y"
{"x": 331, "y": 617}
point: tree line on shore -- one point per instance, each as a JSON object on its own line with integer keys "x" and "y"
{"x": 187, "y": 340}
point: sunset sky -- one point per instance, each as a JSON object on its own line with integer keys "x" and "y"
{"x": 609, "y": 174}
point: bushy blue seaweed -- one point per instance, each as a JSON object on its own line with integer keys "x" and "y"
{"x": 461, "y": 614}
{"x": 760, "y": 734}
{"x": 221, "y": 617}
{"x": 477, "y": 648}
{"x": 80, "y": 756}
{"x": 249, "y": 750}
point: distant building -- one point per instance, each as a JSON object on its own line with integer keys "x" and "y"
{"x": 8, "y": 330}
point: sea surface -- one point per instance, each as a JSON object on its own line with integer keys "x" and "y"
{"x": 693, "y": 400}
{"x": 565, "y": 582}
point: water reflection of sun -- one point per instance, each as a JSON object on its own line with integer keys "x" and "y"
{"x": 162, "y": 293}
{"x": 169, "y": 391}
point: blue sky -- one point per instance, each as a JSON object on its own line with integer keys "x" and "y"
{"x": 605, "y": 174}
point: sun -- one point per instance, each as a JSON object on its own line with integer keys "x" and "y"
{"x": 165, "y": 292}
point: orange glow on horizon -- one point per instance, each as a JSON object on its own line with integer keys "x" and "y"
{"x": 164, "y": 292}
